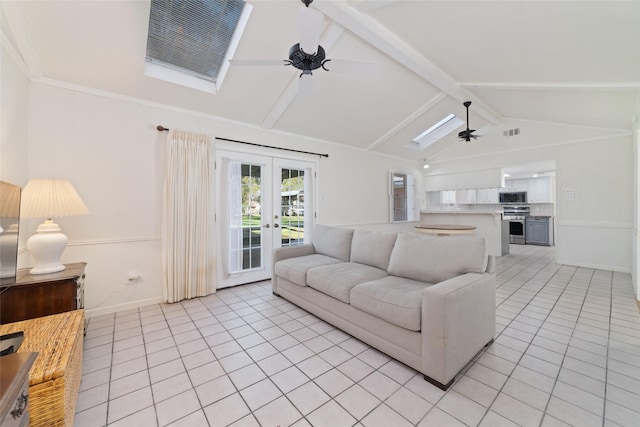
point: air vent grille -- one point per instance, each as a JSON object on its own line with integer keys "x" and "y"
{"x": 511, "y": 132}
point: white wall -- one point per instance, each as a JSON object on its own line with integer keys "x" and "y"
{"x": 594, "y": 229}
{"x": 110, "y": 150}
{"x": 635, "y": 253}
{"x": 14, "y": 92}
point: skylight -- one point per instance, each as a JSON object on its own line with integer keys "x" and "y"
{"x": 189, "y": 41}
{"x": 436, "y": 132}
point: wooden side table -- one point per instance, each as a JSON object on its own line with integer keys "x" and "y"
{"x": 32, "y": 296}
{"x": 54, "y": 378}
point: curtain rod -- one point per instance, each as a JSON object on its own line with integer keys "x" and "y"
{"x": 161, "y": 128}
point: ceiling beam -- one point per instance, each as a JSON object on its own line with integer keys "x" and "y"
{"x": 591, "y": 86}
{"x": 379, "y": 36}
{"x": 408, "y": 120}
{"x": 369, "y": 5}
{"x": 22, "y": 38}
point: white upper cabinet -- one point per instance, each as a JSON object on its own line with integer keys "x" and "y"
{"x": 477, "y": 196}
{"x": 448, "y": 197}
{"x": 515, "y": 185}
{"x": 487, "y": 195}
{"x": 465, "y": 197}
{"x": 540, "y": 190}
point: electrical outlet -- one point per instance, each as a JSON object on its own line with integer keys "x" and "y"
{"x": 133, "y": 278}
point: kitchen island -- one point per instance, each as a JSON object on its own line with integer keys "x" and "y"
{"x": 488, "y": 224}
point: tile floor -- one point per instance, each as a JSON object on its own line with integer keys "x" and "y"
{"x": 567, "y": 352}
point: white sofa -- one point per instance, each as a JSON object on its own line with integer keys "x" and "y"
{"x": 426, "y": 301}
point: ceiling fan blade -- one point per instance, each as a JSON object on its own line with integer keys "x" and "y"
{"x": 256, "y": 62}
{"x": 346, "y": 66}
{"x": 310, "y": 22}
{"x": 305, "y": 86}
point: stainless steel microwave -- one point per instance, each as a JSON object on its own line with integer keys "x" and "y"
{"x": 513, "y": 197}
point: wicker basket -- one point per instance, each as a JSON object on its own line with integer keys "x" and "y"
{"x": 54, "y": 378}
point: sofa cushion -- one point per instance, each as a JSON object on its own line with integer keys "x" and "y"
{"x": 332, "y": 241}
{"x": 295, "y": 269}
{"x": 372, "y": 247}
{"x": 336, "y": 280}
{"x": 395, "y": 299}
{"x": 435, "y": 259}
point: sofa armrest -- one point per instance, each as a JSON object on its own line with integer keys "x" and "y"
{"x": 293, "y": 251}
{"x": 491, "y": 264}
{"x": 458, "y": 319}
{"x": 279, "y": 254}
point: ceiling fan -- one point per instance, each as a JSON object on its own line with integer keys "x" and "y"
{"x": 308, "y": 56}
{"x": 467, "y": 134}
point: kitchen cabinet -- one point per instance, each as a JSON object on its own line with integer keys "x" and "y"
{"x": 465, "y": 197}
{"x": 539, "y": 231}
{"x": 515, "y": 185}
{"x": 487, "y": 195}
{"x": 540, "y": 190}
{"x": 433, "y": 199}
{"x": 477, "y": 196}
{"x": 448, "y": 197}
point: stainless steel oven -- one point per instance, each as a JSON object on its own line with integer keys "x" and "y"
{"x": 517, "y": 217}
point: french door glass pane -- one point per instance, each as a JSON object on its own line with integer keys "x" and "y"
{"x": 292, "y": 202}
{"x": 399, "y": 197}
{"x": 251, "y": 186}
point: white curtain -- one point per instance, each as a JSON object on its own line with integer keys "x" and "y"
{"x": 235, "y": 217}
{"x": 188, "y": 262}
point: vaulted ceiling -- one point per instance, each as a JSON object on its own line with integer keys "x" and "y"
{"x": 557, "y": 70}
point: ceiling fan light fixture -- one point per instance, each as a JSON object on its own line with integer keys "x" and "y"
{"x": 467, "y": 134}
{"x": 306, "y": 62}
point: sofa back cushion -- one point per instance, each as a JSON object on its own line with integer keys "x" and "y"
{"x": 372, "y": 247}
{"x": 435, "y": 259}
{"x": 332, "y": 241}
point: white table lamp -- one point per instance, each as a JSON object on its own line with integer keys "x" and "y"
{"x": 49, "y": 198}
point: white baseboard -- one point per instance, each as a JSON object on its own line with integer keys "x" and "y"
{"x": 615, "y": 268}
{"x": 94, "y": 312}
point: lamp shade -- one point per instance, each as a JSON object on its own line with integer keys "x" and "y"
{"x": 48, "y": 198}
{"x": 9, "y": 200}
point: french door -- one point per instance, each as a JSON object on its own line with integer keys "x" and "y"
{"x": 263, "y": 203}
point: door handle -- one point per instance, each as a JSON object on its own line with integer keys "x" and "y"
{"x": 276, "y": 225}
{"x": 267, "y": 225}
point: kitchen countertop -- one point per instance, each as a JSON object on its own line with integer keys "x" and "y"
{"x": 475, "y": 212}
